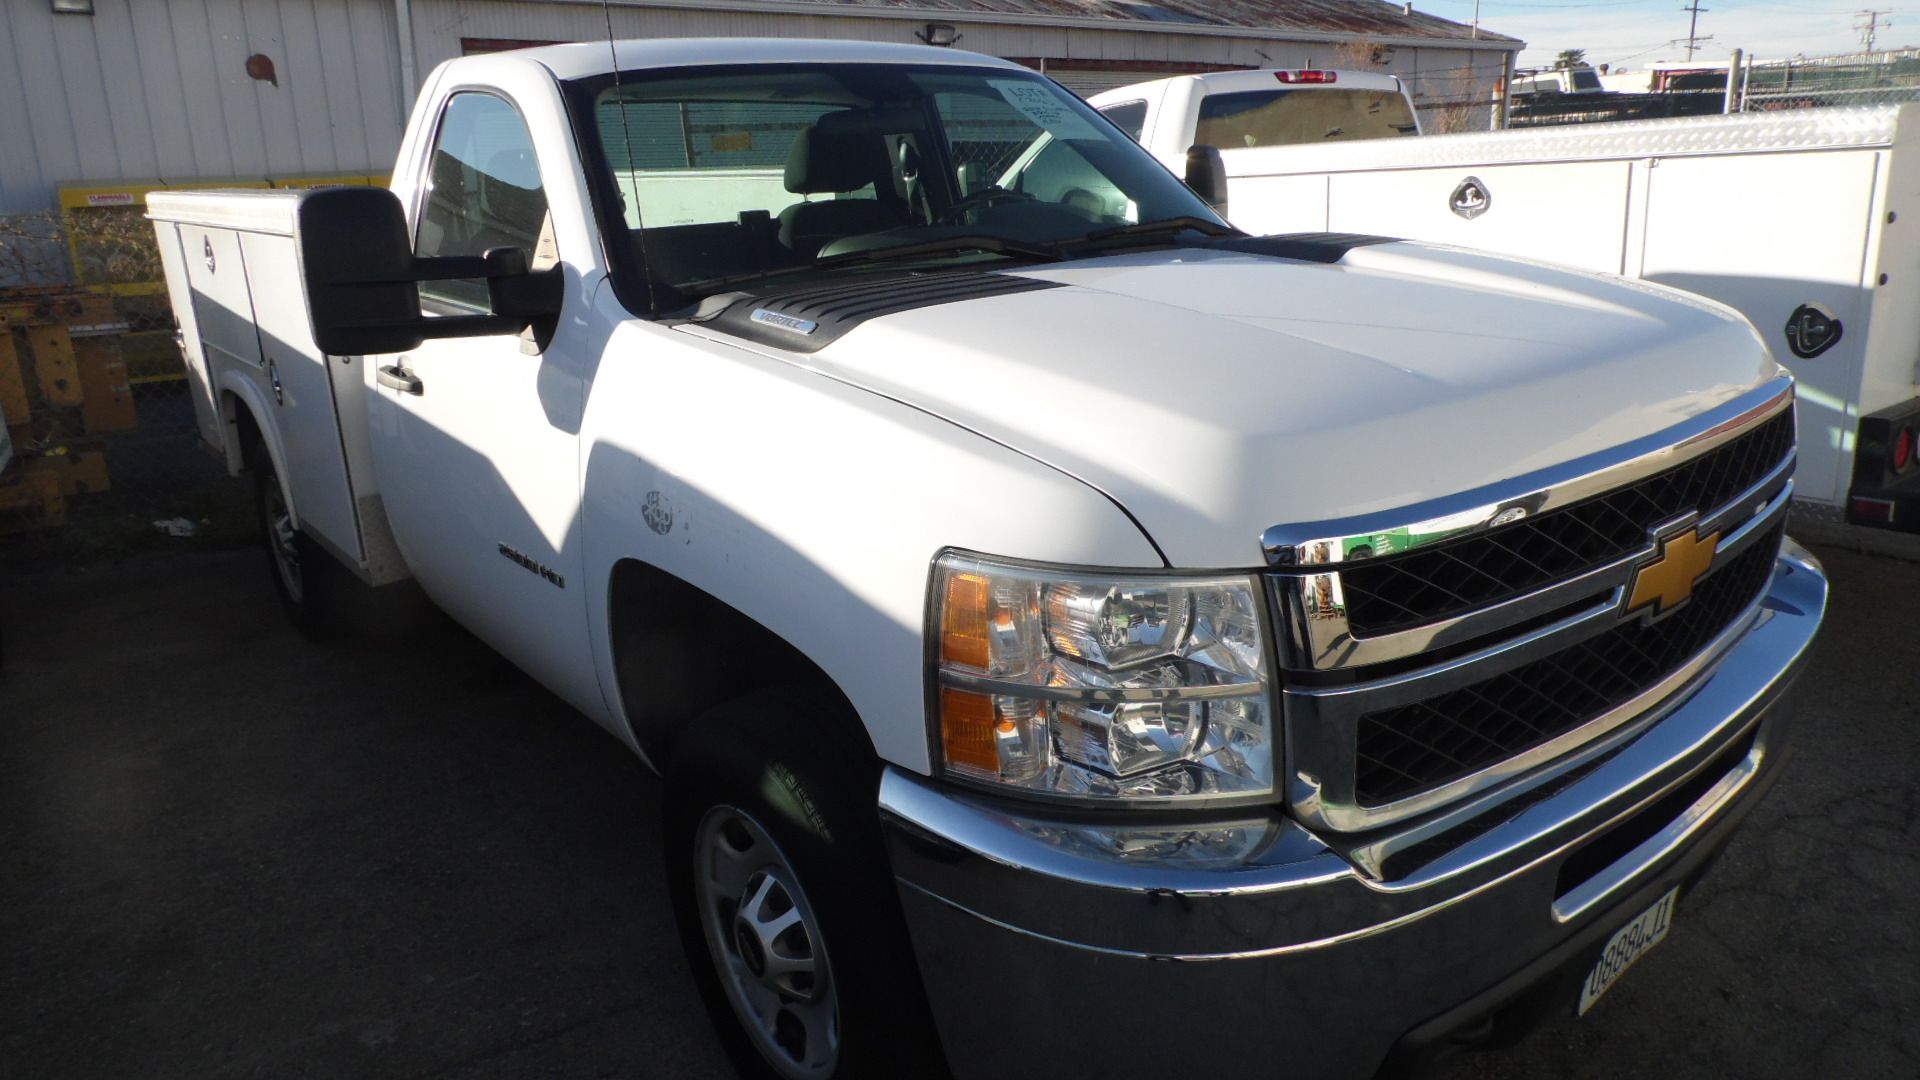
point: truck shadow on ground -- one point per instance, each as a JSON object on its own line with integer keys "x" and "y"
{"x": 242, "y": 853}
{"x": 233, "y": 852}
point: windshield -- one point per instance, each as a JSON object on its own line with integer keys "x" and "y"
{"x": 721, "y": 176}
{"x": 1307, "y": 115}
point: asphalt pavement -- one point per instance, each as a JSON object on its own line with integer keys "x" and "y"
{"x": 228, "y": 852}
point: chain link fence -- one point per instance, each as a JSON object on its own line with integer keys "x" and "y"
{"x": 1545, "y": 110}
{"x": 106, "y": 455}
{"x": 1884, "y": 78}
{"x": 1763, "y": 86}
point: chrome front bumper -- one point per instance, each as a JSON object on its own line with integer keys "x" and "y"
{"x": 1253, "y": 947}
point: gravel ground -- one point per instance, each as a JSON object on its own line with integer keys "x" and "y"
{"x": 231, "y": 853}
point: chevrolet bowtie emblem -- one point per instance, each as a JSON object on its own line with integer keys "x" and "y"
{"x": 1668, "y": 580}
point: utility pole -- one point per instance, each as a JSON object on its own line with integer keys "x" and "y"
{"x": 1870, "y": 27}
{"x": 1693, "y": 27}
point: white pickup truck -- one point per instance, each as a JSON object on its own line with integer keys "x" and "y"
{"x": 1803, "y": 221}
{"x": 1016, "y": 594}
{"x": 1245, "y": 110}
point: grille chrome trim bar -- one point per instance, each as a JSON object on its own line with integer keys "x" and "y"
{"x": 1322, "y": 724}
{"x": 1439, "y": 520}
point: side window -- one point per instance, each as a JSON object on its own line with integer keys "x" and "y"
{"x": 1059, "y": 174}
{"x": 483, "y": 191}
{"x": 1128, "y": 116}
{"x": 993, "y": 143}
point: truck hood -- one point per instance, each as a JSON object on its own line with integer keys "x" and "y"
{"x": 1215, "y": 394}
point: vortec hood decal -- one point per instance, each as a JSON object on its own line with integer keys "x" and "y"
{"x": 784, "y": 322}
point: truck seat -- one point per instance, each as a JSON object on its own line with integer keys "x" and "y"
{"x": 836, "y": 156}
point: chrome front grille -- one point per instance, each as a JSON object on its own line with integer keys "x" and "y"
{"x": 1619, "y": 583}
{"x": 1396, "y": 592}
{"x": 1415, "y": 747}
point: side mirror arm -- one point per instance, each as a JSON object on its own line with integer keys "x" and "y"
{"x": 362, "y": 290}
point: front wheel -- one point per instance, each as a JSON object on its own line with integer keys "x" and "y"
{"x": 786, "y": 905}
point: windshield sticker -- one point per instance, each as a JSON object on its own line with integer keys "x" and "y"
{"x": 1038, "y": 104}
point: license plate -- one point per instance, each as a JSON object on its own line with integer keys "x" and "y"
{"x": 1628, "y": 944}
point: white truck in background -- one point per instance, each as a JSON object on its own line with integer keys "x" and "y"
{"x": 1240, "y": 110}
{"x": 1025, "y": 582}
{"x": 1807, "y": 222}
{"x": 1576, "y": 80}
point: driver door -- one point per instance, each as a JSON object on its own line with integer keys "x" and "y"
{"x": 476, "y": 438}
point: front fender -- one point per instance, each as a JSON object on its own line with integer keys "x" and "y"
{"x": 812, "y": 506}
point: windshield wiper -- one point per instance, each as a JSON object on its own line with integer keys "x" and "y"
{"x": 1160, "y": 228}
{"x": 998, "y": 245}
{"x": 946, "y": 245}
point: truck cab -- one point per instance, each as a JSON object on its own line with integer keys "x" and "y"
{"x": 1575, "y": 80}
{"x": 1019, "y": 591}
{"x": 1239, "y": 110}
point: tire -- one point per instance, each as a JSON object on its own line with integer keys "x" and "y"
{"x": 785, "y": 901}
{"x": 314, "y": 589}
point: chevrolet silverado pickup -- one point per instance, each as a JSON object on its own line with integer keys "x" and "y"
{"x": 1078, "y": 638}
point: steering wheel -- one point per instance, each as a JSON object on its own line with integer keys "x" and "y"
{"x": 984, "y": 197}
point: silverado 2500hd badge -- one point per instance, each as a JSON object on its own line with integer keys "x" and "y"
{"x": 533, "y": 567}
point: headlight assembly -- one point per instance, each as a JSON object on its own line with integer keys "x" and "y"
{"x": 1100, "y": 687}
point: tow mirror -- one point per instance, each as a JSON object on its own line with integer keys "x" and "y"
{"x": 363, "y": 280}
{"x": 1207, "y": 176}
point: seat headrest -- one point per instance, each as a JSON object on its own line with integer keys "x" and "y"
{"x": 843, "y": 151}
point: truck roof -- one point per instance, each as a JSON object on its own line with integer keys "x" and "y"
{"x": 589, "y": 58}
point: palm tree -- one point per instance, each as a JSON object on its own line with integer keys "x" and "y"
{"x": 1569, "y": 59}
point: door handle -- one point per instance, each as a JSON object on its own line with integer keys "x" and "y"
{"x": 398, "y": 378}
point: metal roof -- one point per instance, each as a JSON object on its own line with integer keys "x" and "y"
{"x": 1277, "y": 18}
{"x": 572, "y": 61}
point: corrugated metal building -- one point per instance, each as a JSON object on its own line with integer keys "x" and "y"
{"x": 183, "y": 91}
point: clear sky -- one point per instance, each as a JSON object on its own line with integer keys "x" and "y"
{"x": 1634, "y": 32}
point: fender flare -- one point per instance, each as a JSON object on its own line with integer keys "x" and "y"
{"x": 234, "y": 388}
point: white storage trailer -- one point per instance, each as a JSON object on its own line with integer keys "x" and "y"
{"x": 1807, "y": 222}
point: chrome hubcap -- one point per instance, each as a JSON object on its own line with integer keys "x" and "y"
{"x": 765, "y": 943}
{"x": 280, "y": 536}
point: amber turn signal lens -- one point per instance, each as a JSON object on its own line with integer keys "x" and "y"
{"x": 966, "y": 730}
{"x": 963, "y": 630}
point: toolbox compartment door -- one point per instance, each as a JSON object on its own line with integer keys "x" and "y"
{"x": 216, "y": 321}
{"x": 300, "y": 388}
{"x": 1708, "y": 232}
{"x": 1572, "y": 213}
